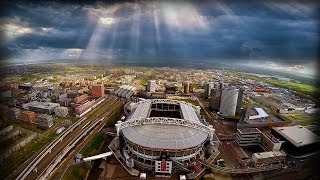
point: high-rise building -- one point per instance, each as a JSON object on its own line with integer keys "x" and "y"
{"x": 211, "y": 85}
{"x": 239, "y": 101}
{"x": 215, "y": 99}
{"x": 186, "y": 87}
{"x": 231, "y": 98}
{"x": 207, "y": 89}
{"x": 191, "y": 88}
{"x": 151, "y": 86}
{"x": 98, "y": 90}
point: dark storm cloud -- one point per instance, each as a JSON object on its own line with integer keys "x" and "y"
{"x": 214, "y": 30}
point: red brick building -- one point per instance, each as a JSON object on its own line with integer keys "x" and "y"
{"x": 97, "y": 90}
{"x": 80, "y": 99}
{"x": 28, "y": 116}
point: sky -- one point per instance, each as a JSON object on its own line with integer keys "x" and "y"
{"x": 269, "y": 34}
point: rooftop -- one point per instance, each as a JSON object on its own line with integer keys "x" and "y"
{"x": 249, "y": 130}
{"x": 298, "y": 135}
{"x": 261, "y": 114}
{"x": 268, "y": 154}
{"x": 42, "y": 105}
{"x": 165, "y": 136}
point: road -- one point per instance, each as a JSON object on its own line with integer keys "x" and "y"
{"x": 65, "y": 141}
{"x": 212, "y": 118}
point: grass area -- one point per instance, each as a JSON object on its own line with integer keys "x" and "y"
{"x": 300, "y": 119}
{"x": 78, "y": 172}
{"x": 18, "y": 157}
{"x": 300, "y": 88}
{"x": 93, "y": 147}
{"x": 237, "y": 117}
{"x": 196, "y": 103}
{"x": 303, "y": 88}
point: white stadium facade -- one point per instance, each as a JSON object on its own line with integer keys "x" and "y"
{"x": 164, "y": 136}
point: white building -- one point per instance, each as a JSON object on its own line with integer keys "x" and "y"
{"x": 151, "y": 86}
{"x": 229, "y": 101}
{"x": 268, "y": 158}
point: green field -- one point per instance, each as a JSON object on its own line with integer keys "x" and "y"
{"x": 196, "y": 103}
{"x": 303, "y": 88}
{"x": 301, "y": 119}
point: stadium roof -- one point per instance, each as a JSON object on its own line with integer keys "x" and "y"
{"x": 165, "y": 136}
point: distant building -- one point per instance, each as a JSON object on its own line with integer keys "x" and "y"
{"x": 125, "y": 91}
{"x": 81, "y": 98}
{"x": 25, "y": 86}
{"x": 28, "y": 116}
{"x": 83, "y": 107}
{"x": 191, "y": 88}
{"x": 171, "y": 89}
{"x": 97, "y": 90}
{"x": 248, "y": 137}
{"x": 298, "y": 140}
{"x": 207, "y": 89}
{"x": 268, "y": 158}
{"x": 186, "y": 87}
{"x": 42, "y": 107}
{"x": 45, "y": 120}
{"x": 61, "y": 111}
{"x": 230, "y": 101}
{"x": 151, "y": 86}
{"x": 211, "y": 85}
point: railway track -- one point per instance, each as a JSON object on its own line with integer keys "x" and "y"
{"x": 68, "y": 152}
{"x": 40, "y": 161}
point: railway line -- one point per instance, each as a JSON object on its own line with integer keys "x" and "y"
{"x": 65, "y": 141}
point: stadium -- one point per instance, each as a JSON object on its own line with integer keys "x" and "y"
{"x": 164, "y": 136}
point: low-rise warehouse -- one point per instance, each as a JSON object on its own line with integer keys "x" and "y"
{"x": 298, "y": 140}
{"x": 41, "y": 107}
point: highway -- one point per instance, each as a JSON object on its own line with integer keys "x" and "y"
{"x": 45, "y": 161}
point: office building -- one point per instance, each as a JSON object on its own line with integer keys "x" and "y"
{"x": 186, "y": 87}
{"x": 215, "y": 99}
{"x": 41, "y": 107}
{"x": 248, "y": 137}
{"x": 230, "y": 101}
{"x": 151, "y": 86}
{"x": 191, "y": 88}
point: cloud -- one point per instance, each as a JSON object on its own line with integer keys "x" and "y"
{"x": 190, "y": 31}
